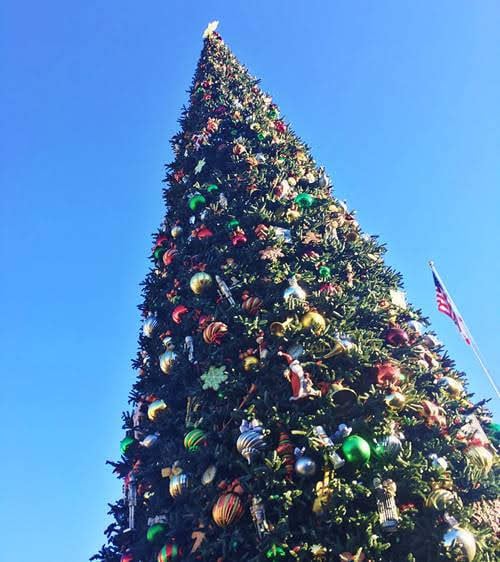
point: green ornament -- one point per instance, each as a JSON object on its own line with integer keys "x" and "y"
{"x": 212, "y": 187}
{"x": 356, "y": 449}
{"x": 325, "y": 272}
{"x": 304, "y": 200}
{"x": 126, "y": 443}
{"x": 232, "y": 224}
{"x": 275, "y": 552}
{"x": 159, "y": 252}
{"x": 261, "y": 136}
{"x": 196, "y": 202}
{"x": 273, "y": 114}
{"x": 194, "y": 440}
{"x": 156, "y": 531}
{"x": 213, "y": 378}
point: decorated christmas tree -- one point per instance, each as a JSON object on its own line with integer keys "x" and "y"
{"x": 289, "y": 404}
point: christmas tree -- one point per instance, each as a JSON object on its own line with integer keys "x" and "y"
{"x": 289, "y": 404}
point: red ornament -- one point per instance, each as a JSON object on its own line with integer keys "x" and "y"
{"x": 238, "y": 237}
{"x": 387, "y": 374}
{"x": 285, "y": 450}
{"x": 214, "y": 332}
{"x": 159, "y": 241}
{"x": 202, "y": 232}
{"x": 396, "y": 337}
{"x": 178, "y": 175}
{"x": 227, "y": 509}
{"x": 169, "y": 255}
{"x": 280, "y": 126}
{"x": 127, "y": 557}
{"x": 178, "y": 312}
{"x": 251, "y": 305}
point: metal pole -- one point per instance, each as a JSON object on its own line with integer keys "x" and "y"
{"x": 474, "y": 347}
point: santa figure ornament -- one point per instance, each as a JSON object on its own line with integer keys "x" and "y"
{"x": 302, "y": 385}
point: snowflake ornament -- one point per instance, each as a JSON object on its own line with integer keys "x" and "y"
{"x": 213, "y": 378}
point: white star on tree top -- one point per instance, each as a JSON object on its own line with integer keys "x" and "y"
{"x": 211, "y": 27}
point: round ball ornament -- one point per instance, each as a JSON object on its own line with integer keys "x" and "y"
{"x": 214, "y": 332}
{"x": 126, "y": 443}
{"x": 356, "y": 449}
{"x": 395, "y": 400}
{"x": 155, "y": 408}
{"x": 200, "y": 282}
{"x": 390, "y": 445}
{"x": 197, "y": 202}
{"x": 313, "y": 321}
{"x": 155, "y": 532}
{"x": 227, "y": 509}
{"x": 176, "y": 231}
{"x": 195, "y": 439}
{"x": 305, "y": 466}
{"x": 169, "y": 256}
{"x": 169, "y": 552}
{"x": 252, "y": 305}
{"x": 451, "y": 385}
{"x": 178, "y": 484}
{"x": 150, "y": 325}
{"x": 396, "y": 337}
{"x": 127, "y": 557}
{"x": 458, "y": 538}
{"x": 167, "y": 360}
{"x": 304, "y": 200}
{"x": 440, "y": 498}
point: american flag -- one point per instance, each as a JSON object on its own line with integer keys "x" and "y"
{"x": 445, "y": 305}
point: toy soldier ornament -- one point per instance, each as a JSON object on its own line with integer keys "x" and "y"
{"x": 385, "y": 492}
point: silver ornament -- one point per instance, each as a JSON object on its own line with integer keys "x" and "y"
{"x": 179, "y": 483}
{"x": 150, "y": 440}
{"x": 150, "y": 325}
{"x": 251, "y": 441}
{"x": 305, "y": 466}
{"x": 167, "y": 361}
{"x": 391, "y": 445}
{"x": 439, "y": 463}
{"x": 209, "y": 475}
{"x": 458, "y": 537}
{"x": 294, "y": 290}
{"x": 250, "y": 444}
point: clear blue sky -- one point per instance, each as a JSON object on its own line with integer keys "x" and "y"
{"x": 400, "y": 101}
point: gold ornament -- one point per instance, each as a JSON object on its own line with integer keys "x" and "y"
{"x": 200, "y": 282}
{"x": 395, "y": 400}
{"x": 313, "y": 321}
{"x": 250, "y": 363}
{"x": 440, "y": 498}
{"x": 155, "y": 408}
{"x": 480, "y": 458}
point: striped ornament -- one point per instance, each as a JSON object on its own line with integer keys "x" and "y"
{"x": 149, "y": 326}
{"x": 214, "y": 332}
{"x": 480, "y": 458}
{"x": 251, "y": 305}
{"x": 440, "y": 498}
{"x": 179, "y": 483}
{"x": 194, "y": 440}
{"x": 250, "y": 443}
{"x": 169, "y": 552}
{"x": 155, "y": 408}
{"x": 169, "y": 256}
{"x": 227, "y": 509}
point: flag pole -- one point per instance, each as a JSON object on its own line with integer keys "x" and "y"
{"x": 473, "y": 345}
